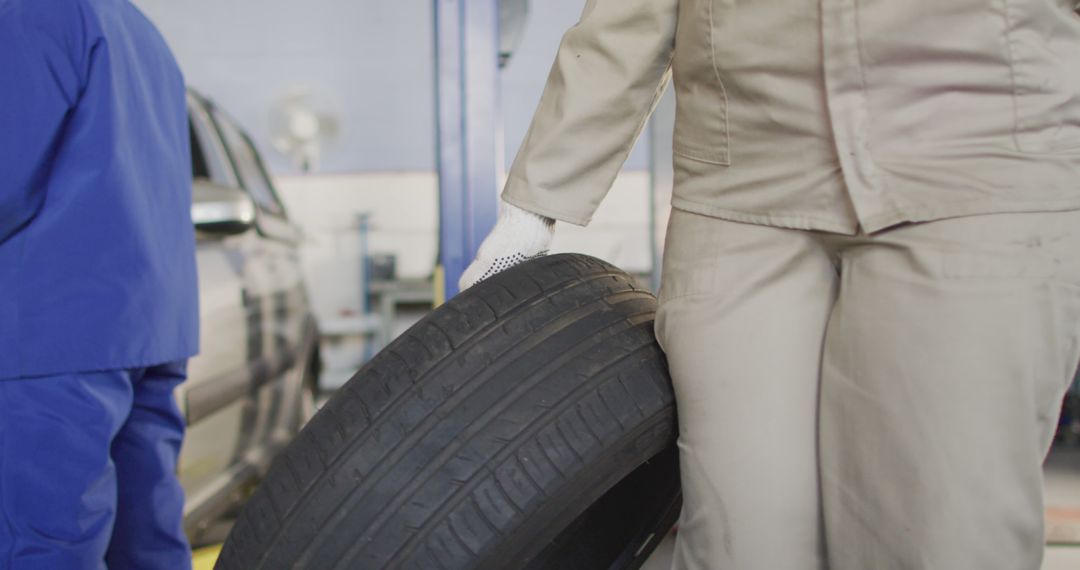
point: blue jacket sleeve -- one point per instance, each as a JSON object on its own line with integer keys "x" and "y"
{"x": 44, "y": 62}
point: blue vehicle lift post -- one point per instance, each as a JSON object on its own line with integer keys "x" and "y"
{"x": 469, "y": 153}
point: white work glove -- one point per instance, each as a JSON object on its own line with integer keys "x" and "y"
{"x": 519, "y": 235}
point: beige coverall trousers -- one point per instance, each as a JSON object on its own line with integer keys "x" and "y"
{"x": 868, "y": 402}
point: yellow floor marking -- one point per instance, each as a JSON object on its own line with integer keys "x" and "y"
{"x": 440, "y": 286}
{"x": 205, "y": 558}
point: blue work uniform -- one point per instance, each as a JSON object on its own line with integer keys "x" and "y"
{"x": 98, "y": 291}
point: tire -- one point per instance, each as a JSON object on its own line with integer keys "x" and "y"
{"x": 527, "y": 424}
{"x": 308, "y": 394}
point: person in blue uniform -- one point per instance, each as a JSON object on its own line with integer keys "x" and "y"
{"x": 98, "y": 294}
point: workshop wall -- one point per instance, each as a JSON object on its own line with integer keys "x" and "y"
{"x": 370, "y": 63}
{"x": 367, "y": 62}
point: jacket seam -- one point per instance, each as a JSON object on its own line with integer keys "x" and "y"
{"x": 933, "y": 214}
{"x": 725, "y": 156}
{"x": 1007, "y": 36}
{"x": 684, "y": 152}
{"x": 561, "y": 215}
{"x": 658, "y": 91}
{"x": 875, "y": 174}
{"x": 127, "y": 365}
{"x": 729, "y": 214}
{"x": 807, "y": 217}
{"x": 890, "y": 217}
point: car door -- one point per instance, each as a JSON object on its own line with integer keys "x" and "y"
{"x": 276, "y": 299}
{"x": 215, "y": 399}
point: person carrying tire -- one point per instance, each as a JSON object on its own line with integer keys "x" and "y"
{"x": 871, "y": 281}
{"x": 98, "y": 292}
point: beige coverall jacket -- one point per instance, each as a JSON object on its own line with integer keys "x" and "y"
{"x": 817, "y": 114}
{"x": 855, "y": 392}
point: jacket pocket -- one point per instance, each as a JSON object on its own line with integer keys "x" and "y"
{"x": 701, "y": 116}
{"x": 1043, "y": 41}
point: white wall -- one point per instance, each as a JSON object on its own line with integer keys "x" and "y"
{"x": 369, "y": 62}
{"x": 404, "y": 222}
{"x": 372, "y": 63}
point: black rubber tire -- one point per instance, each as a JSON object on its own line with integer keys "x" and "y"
{"x": 307, "y": 400}
{"x": 528, "y": 423}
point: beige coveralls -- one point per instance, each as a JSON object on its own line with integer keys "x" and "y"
{"x": 872, "y": 278}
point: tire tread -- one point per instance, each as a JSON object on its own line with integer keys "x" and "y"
{"x": 429, "y": 456}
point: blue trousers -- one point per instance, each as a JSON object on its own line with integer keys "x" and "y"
{"x": 88, "y": 471}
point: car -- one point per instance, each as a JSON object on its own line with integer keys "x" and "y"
{"x": 254, "y": 382}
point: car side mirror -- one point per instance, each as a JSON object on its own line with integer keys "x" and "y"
{"x": 221, "y": 210}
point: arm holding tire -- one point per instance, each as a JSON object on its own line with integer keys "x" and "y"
{"x": 610, "y": 71}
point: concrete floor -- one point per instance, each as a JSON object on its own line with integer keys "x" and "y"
{"x": 1062, "y": 476}
{"x": 1057, "y": 557}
